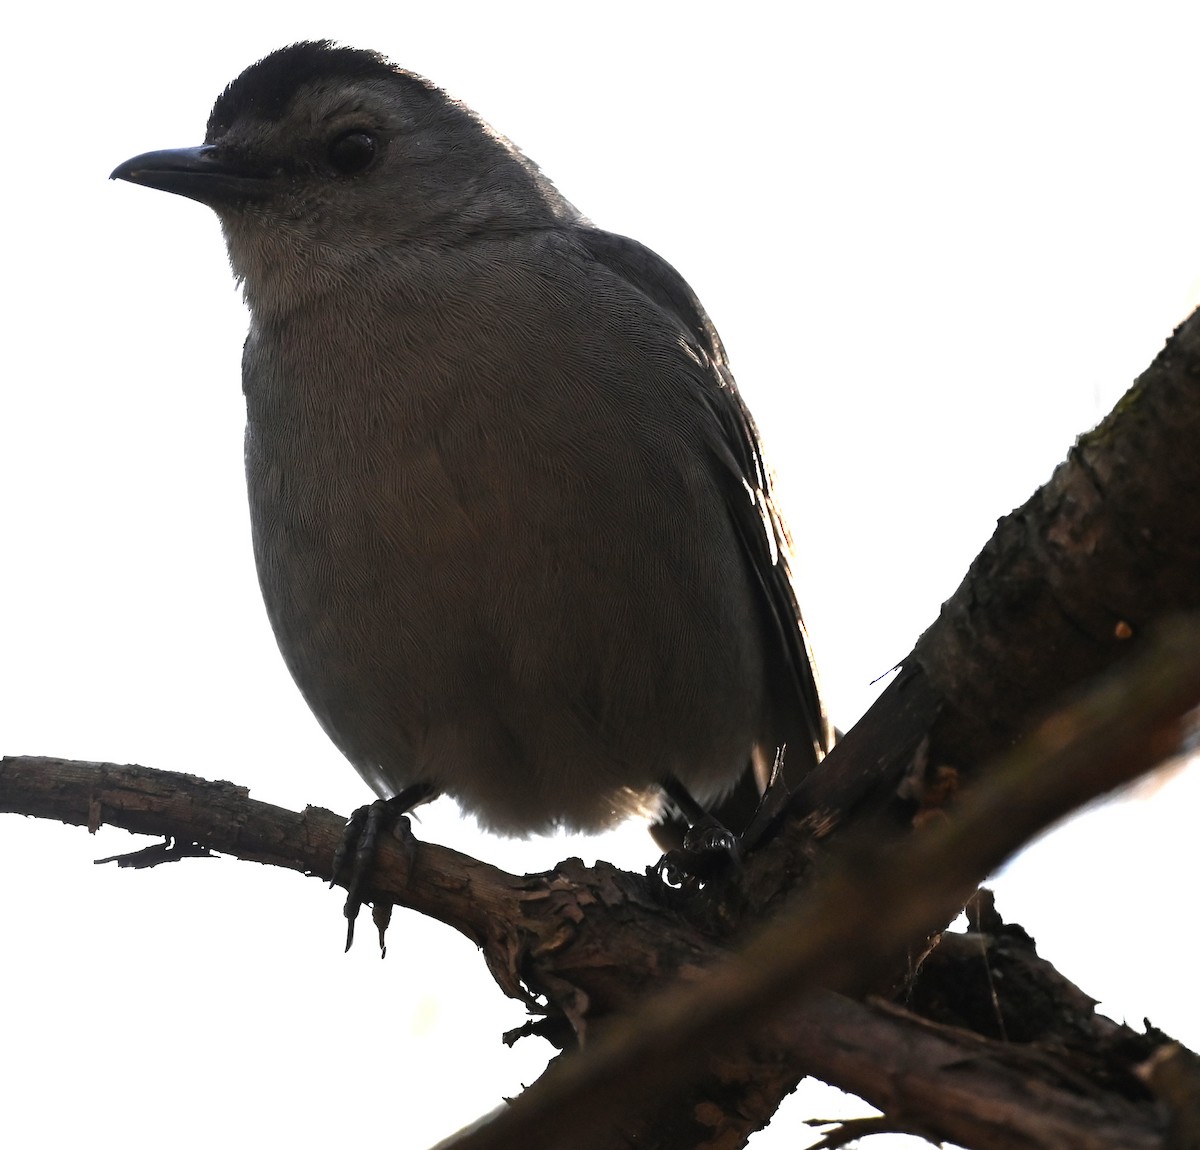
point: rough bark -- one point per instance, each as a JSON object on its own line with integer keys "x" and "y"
{"x": 1067, "y": 585}
{"x": 707, "y": 1062}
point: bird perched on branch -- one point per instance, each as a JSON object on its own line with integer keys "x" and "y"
{"x": 513, "y": 527}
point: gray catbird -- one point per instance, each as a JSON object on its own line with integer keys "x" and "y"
{"x": 512, "y": 522}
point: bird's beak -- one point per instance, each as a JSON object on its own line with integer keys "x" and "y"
{"x": 201, "y": 173}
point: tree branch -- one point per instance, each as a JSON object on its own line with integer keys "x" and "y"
{"x": 851, "y": 930}
{"x": 593, "y": 942}
{"x": 1065, "y": 588}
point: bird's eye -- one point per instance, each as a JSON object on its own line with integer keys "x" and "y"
{"x": 351, "y": 153}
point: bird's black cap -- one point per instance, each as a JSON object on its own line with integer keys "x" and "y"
{"x": 266, "y": 88}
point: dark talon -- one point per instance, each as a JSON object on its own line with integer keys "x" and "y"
{"x": 355, "y": 854}
{"x": 691, "y": 867}
{"x": 709, "y": 849}
{"x": 381, "y": 916}
{"x": 367, "y": 831}
{"x": 673, "y": 870}
{"x": 709, "y": 837}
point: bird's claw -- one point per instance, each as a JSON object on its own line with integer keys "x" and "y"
{"x": 355, "y": 858}
{"x": 710, "y": 837}
{"x": 709, "y": 851}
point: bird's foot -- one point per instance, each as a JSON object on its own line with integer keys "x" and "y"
{"x": 709, "y": 837}
{"x": 355, "y": 854}
{"x": 709, "y": 852}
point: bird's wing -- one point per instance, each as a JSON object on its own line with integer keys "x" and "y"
{"x": 749, "y": 496}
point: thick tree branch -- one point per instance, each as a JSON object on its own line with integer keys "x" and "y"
{"x": 1066, "y": 586}
{"x": 596, "y": 943}
{"x": 853, "y": 927}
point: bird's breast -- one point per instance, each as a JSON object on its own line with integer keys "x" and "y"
{"x": 490, "y": 561}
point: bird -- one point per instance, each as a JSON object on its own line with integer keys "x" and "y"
{"x": 512, "y": 522}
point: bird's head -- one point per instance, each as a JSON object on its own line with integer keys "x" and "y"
{"x": 319, "y": 157}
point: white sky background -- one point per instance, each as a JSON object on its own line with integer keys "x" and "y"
{"x": 938, "y": 243}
